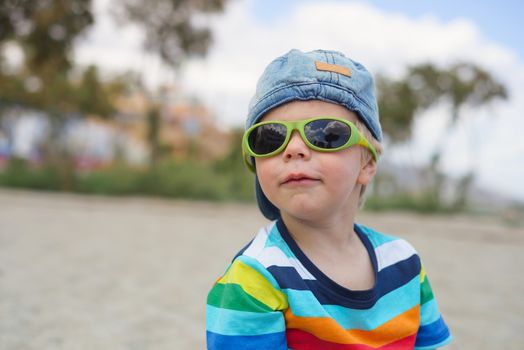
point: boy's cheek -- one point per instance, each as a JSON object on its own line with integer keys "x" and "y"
{"x": 265, "y": 168}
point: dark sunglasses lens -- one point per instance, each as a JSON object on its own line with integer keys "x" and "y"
{"x": 267, "y": 138}
{"x": 327, "y": 133}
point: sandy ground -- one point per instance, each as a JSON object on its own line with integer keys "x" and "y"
{"x": 131, "y": 273}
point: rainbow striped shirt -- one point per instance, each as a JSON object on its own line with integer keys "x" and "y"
{"x": 273, "y": 297}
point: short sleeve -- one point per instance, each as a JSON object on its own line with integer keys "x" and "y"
{"x": 245, "y": 309}
{"x": 433, "y": 332}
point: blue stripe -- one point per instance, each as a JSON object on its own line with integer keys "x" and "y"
{"x": 234, "y": 322}
{"x": 275, "y": 341}
{"x": 304, "y": 304}
{"x": 276, "y": 240}
{"x": 429, "y": 312}
{"x": 435, "y": 346}
{"x": 389, "y": 279}
{"x": 433, "y": 334}
{"x": 287, "y": 277}
{"x": 398, "y": 274}
{"x": 376, "y": 238}
{"x": 404, "y": 299}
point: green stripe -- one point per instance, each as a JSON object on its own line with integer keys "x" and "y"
{"x": 426, "y": 294}
{"x": 232, "y": 296}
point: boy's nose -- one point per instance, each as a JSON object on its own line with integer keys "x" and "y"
{"x": 296, "y": 148}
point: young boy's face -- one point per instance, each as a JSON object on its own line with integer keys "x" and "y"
{"x": 312, "y": 185}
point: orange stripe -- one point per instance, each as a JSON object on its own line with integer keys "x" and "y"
{"x": 328, "y": 329}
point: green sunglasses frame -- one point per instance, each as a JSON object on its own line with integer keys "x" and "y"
{"x": 356, "y": 138}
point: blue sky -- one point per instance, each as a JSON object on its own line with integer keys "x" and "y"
{"x": 500, "y": 21}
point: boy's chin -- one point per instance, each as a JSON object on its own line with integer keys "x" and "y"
{"x": 304, "y": 213}
{"x": 316, "y": 210}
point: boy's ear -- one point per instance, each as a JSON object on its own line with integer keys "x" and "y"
{"x": 367, "y": 172}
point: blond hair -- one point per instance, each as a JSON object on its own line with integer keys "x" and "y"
{"x": 367, "y": 155}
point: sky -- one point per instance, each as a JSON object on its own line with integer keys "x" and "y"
{"x": 385, "y": 35}
{"x": 497, "y": 20}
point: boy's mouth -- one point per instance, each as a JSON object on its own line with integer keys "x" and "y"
{"x": 298, "y": 179}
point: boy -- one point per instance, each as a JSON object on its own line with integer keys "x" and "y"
{"x": 312, "y": 278}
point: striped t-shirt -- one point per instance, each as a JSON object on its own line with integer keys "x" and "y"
{"x": 273, "y": 297}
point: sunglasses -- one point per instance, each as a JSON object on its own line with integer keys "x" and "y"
{"x": 323, "y": 134}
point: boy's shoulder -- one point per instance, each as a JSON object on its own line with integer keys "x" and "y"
{"x": 388, "y": 248}
{"x": 266, "y": 236}
{"x": 269, "y": 251}
{"x": 268, "y": 240}
{"x": 273, "y": 255}
{"x": 268, "y": 247}
{"x": 378, "y": 238}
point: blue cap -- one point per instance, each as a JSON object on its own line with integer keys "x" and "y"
{"x": 317, "y": 75}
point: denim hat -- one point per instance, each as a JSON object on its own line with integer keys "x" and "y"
{"x": 317, "y": 75}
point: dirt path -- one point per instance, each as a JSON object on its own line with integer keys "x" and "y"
{"x": 101, "y": 273}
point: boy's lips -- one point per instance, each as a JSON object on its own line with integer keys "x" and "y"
{"x": 298, "y": 179}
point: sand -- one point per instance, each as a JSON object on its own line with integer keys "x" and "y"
{"x": 82, "y": 272}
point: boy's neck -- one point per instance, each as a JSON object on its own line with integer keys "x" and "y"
{"x": 332, "y": 233}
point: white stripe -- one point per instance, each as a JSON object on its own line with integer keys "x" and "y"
{"x": 392, "y": 252}
{"x": 273, "y": 256}
{"x": 256, "y": 247}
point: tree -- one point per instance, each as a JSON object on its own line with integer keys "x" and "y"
{"x": 45, "y": 31}
{"x": 397, "y": 103}
{"x": 171, "y": 32}
{"x": 92, "y": 97}
{"x": 462, "y": 84}
{"x": 169, "y": 26}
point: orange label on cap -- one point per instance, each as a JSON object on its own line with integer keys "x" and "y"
{"x": 333, "y": 68}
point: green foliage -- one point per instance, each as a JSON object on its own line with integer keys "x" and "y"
{"x": 61, "y": 96}
{"x": 169, "y": 178}
{"x": 241, "y": 180}
{"x": 91, "y": 96}
{"x": 226, "y": 179}
{"x": 153, "y": 130}
{"x": 461, "y": 84}
{"x": 169, "y": 26}
{"x": 401, "y": 101}
{"x": 185, "y": 180}
{"x": 117, "y": 180}
{"x": 425, "y": 203}
{"x": 20, "y": 174}
{"x": 45, "y": 30}
{"x": 397, "y": 103}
